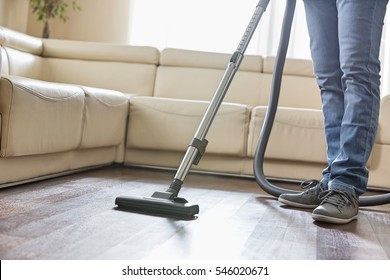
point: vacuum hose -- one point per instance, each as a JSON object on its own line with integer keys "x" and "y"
{"x": 270, "y": 116}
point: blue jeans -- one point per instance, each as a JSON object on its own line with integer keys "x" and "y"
{"x": 345, "y": 38}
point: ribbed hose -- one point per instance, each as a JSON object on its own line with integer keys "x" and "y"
{"x": 271, "y": 112}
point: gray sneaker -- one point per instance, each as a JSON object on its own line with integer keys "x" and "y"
{"x": 309, "y": 198}
{"x": 337, "y": 207}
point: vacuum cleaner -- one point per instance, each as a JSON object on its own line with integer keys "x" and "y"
{"x": 168, "y": 203}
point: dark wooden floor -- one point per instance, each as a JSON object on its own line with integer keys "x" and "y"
{"x": 74, "y": 217}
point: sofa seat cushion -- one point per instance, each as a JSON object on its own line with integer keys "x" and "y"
{"x": 105, "y": 118}
{"x": 170, "y": 124}
{"x": 39, "y": 117}
{"x": 297, "y": 135}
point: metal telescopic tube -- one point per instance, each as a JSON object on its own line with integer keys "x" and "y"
{"x": 220, "y": 93}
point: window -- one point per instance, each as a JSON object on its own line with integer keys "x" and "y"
{"x": 218, "y": 26}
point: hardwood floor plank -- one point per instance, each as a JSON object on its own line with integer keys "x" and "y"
{"x": 215, "y": 236}
{"x": 281, "y": 233}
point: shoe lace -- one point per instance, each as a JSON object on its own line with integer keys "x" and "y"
{"x": 312, "y": 185}
{"x": 340, "y": 198}
{"x": 309, "y": 183}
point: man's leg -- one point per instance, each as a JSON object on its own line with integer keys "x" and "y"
{"x": 360, "y": 31}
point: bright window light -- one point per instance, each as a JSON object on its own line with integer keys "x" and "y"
{"x": 218, "y": 25}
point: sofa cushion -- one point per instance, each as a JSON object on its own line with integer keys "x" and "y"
{"x": 124, "y": 77}
{"x": 292, "y": 67}
{"x": 195, "y": 75}
{"x": 170, "y": 124}
{"x": 299, "y": 88}
{"x": 104, "y": 118}
{"x": 97, "y": 51}
{"x": 201, "y": 84}
{"x": 39, "y": 117}
{"x": 20, "y": 54}
{"x": 19, "y": 63}
{"x": 297, "y": 135}
{"x": 129, "y": 69}
{"x": 295, "y": 92}
{"x": 202, "y": 59}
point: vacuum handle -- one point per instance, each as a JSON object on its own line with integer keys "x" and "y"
{"x": 250, "y": 30}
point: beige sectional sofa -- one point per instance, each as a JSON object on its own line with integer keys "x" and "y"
{"x": 67, "y": 105}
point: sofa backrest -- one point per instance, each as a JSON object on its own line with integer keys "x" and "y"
{"x": 125, "y": 68}
{"x": 186, "y": 74}
{"x": 20, "y": 54}
{"x": 129, "y": 69}
{"x": 173, "y": 73}
{"x": 298, "y": 89}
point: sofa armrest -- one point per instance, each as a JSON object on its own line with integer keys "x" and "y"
{"x": 39, "y": 117}
{"x": 20, "y": 41}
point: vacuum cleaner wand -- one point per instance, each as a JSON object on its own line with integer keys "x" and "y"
{"x": 167, "y": 203}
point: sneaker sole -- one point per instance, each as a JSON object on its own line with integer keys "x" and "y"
{"x": 296, "y": 204}
{"x": 332, "y": 220}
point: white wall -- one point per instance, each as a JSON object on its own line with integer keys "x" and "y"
{"x": 99, "y": 20}
{"x": 14, "y": 14}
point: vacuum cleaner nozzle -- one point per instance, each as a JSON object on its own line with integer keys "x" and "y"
{"x": 158, "y": 204}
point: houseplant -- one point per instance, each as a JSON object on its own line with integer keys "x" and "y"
{"x": 46, "y": 10}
